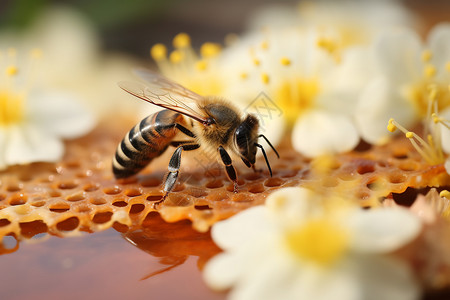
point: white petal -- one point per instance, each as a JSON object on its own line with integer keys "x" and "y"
{"x": 59, "y": 114}
{"x": 341, "y": 284}
{"x": 26, "y": 144}
{"x": 383, "y": 229}
{"x": 397, "y": 55}
{"x": 231, "y": 267}
{"x": 273, "y": 279}
{"x": 439, "y": 44}
{"x": 379, "y": 102}
{"x": 385, "y": 278}
{"x": 447, "y": 165}
{"x": 342, "y": 85}
{"x": 68, "y": 42}
{"x": 241, "y": 228}
{"x": 223, "y": 271}
{"x": 445, "y": 132}
{"x": 319, "y": 132}
{"x": 291, "y": 204}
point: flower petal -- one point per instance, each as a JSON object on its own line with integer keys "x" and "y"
{"x": 447, "y": 165}
{"x": 378, "y": 103}
{"x": 27, "y": 144}
{"x": 291, "y": 204}
{"x": 445, "y": 133}
{"x": 274, "y": 278}
{"x": 382, "y": 277}
{"x": 59, "y": 114}
{"x": 241, "y": 228}
{"x": 383, "y": 229}
{"x": 231, "y": 267}
{"x": 318, "y": 132}
{"x": 398, "y": 55}
{"x": 439, "y": 44}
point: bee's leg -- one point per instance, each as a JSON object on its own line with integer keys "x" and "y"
{"x": 176, "y": 144}
{"x": 174, "y": 167}
{"x": 231, "y": 172}
{"x": 184, "y": 130}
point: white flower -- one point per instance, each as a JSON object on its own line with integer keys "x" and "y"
{"x": 71, "y": 59}
{"x": 406, "y": 70}
{"x": 199, "y": 72}
{"x": 33, "y": 121}
{"x": 312, "y": 81}
{"x": 293, "y": 248}
{"x": 356, "y": 22}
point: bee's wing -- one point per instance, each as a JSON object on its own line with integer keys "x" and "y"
{"x": 163, "y": 92}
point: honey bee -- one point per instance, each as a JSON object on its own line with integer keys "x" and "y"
{"x": 189, "y": 121}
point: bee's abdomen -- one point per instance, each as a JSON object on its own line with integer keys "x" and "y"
{"x": 145, "y": 141}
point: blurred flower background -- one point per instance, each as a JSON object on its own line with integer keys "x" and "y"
{"x": 331, "y": 76}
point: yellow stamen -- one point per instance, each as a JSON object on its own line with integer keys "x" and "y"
{"x": 176, "y": 56}
{"x": 427, "y": 55}
{"x": 391, "y": 127}
{"x": 429, "y": 71}
{"x": 265, "y": 78}
{"x": 296, "y": 96}
{"x": 210, "y": 50}
{"x": 319, "y": 241}
{"x": 256, "y": 61}
{"x": 285, "y": 61}
{"x": 264, "y": 45}
{"x": 430, "y": 151}
{"x": 243, "y": 75}
{"x": 201, "y": 65}
{"x": 181, "y": 40}
{"x": 158, "y": 52}
{"x": 11, "y": 71}
{"x": 444, "y": 194}
{"x": 11, "y": 108}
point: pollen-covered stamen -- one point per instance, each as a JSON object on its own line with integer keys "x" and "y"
{"x": 265, "y": 78}
{"x": 15, "y": 84}
{"x": 195, "y": 70}
{"x": 295, "y": 96}
{"x": 210, "y": 50}
{"x": 176, "y": 56}
{"x": 430, "y": 150}
{"x": 11, "y": 100}
{"x": 434, "y": 78}
{"x": 11, "y": 107}
{"x": 11, "y": 71}
{"x": 319, "y": 241}
{"x": 331, "y": 46}
{"x": 427, "y": 55}
{"x": 285, "y": 61}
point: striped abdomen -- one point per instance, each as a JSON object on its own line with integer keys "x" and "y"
{"x": 145, "y": 141}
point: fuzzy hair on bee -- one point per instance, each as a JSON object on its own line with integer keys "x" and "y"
{"x": 187, "y": 122}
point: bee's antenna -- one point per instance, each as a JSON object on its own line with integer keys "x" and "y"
{"x": 273, "y": 148}
{"x": 265, "y": 157}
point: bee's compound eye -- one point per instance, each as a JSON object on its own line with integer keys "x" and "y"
{"x": 242, "y": 139}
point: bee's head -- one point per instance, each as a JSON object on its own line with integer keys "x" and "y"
{"x": 245, "y": 138}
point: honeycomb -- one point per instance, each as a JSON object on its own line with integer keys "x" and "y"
{"x": 79, "y": 193}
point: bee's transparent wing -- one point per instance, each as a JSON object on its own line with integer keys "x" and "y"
{"x": 163, "y": 92}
